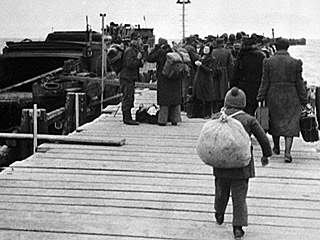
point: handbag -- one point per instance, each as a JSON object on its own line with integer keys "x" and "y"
{"x": 262, "y": 115}
{"x": 309, "y": 126}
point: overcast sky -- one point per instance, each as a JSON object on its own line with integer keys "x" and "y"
{"x": 289, "y": 18}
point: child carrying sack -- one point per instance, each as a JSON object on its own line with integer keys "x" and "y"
{"x": 224, "y": 143}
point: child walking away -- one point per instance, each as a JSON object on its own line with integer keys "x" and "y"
{"x": 231, "y": 157}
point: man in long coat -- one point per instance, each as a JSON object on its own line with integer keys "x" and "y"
{"x": 248, "y": 71}
{"x": 283, "y": 89}
{"x": 225, "y": 66}
{"x": 129, "y": 74}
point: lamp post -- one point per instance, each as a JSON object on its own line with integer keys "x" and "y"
{"x": 102, "y": 15}
{"x": 183, "y": 2}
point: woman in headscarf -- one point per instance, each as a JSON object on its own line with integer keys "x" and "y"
{"x": 205, "y": 85}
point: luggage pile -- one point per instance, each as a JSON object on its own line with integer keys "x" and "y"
{"x": 176, "y": 65}
{"x": 147, "y": 114}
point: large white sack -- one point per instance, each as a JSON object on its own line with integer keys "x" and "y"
{"x": 185, "y": 55}
{"x": 224, "y": 144}
{"x": 174, "y": 57}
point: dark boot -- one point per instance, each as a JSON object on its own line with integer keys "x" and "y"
{"x": 276, "y": 145}
{"x": 127, "y": 119}
{"x": 219, "y": 218}
{"x": 238, "y": 232}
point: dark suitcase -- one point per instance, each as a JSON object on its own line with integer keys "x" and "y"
{"x": 143, "y": 116}
{"x": 309, "y": 127}
{"x": 262, "y": 115}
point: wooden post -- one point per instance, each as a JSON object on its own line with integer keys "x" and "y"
{"x": 103, "y": 62}
{"x": 82, "y": 109}
{"x": 27, "y": 125}
{"x": 77, "y": 109}
{"x": 25, "y": 145}
{"x": 70, "y": 112}
{"x": 65, "y": 139}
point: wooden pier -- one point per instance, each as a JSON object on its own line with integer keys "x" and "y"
{"x": 154, "y": 187}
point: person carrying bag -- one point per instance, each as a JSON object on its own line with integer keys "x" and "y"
{"x": 228, "y": 178}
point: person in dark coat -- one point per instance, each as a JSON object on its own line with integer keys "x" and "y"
{"x": 129, "y": 74}
{"x": 187, "y": 81}
{"x": 225, "y": 66}
{"x": 205, "y": 85}
{"x": 248, "y": 72}
{"x": 168, "y": 90}
{"x": 283, "y": 89}
{"x": 236, "y": 180}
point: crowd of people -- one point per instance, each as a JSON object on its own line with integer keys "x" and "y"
{"x": 231, "y": 72}
{"x": 261, "y": 68}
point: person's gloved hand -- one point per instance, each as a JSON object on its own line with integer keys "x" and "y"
{"x": 197, "y": 63}
{"x": 264, "y": 161}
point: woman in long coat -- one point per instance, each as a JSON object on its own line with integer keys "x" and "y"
{"x": 168, "y": 90}
{"x": 205, "y": 89}
{"x": 283, "y": 89}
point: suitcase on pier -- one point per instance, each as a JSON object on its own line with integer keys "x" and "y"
{"x": 147, "y": 114}
{"x": 309, "y": 126}
{"x": 262, "y": 115}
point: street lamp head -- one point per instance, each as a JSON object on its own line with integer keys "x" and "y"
{"x": 183, "y": 1}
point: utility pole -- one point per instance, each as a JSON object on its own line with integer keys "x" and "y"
{"x": 272, "y": 33}
{"x": 183, "y": 2}
{"x": 103, "y": 67}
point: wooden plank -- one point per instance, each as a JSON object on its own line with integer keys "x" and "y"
{"x": 23, "y": 234}
{"x": 138, "y": 177}
{"x": 162, "y": 149}
{"x": 164, "y": 197}
{"x": 185, "y": 211}
{"x": 135, "y": 226}
{"x": 282, "y": 192}
{"x": 155, "y": 167}
{"x": 123, "y": 155}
